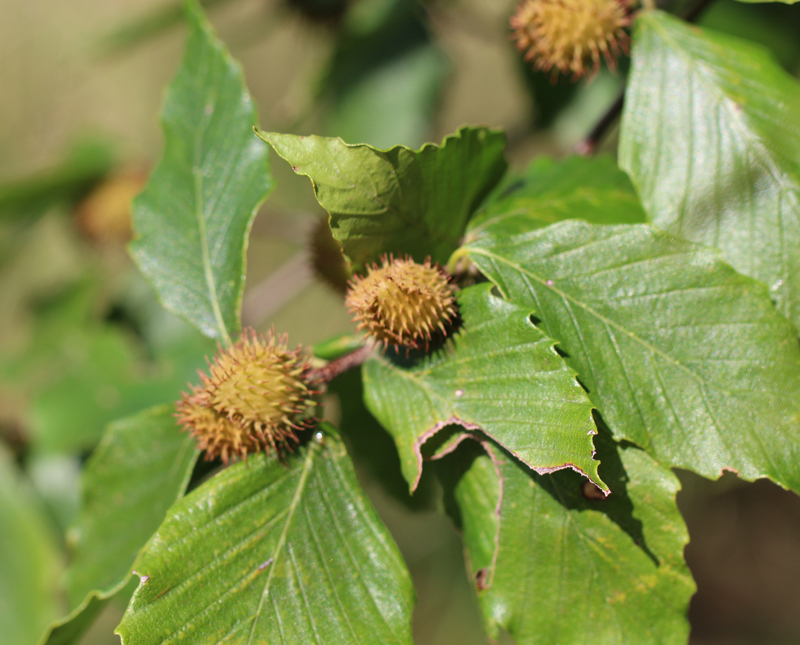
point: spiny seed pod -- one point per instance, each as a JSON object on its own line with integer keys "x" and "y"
{"x": 255, "y": 398}
{"x": 566, "y": 34}
{"x": 403, "y": 303}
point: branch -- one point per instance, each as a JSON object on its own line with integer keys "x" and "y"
{"x": 339, "y": 366}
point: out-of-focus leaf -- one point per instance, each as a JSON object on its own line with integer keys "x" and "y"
{"x": 193, "y": 218}
{"x": 567, "y": 565}
{"x": 550, "y": 96}
{"x": 140, "y": 468}
{"x": 68, "y": 630}
{"x": 29, "y": 561}
{"x": 265, "y": 552}
{"x": 86, "y": 164}
{"x": 595, "y": 190}
{"x": 773, "y": 25}
{"x": 56, "y": 479}
{"x": 681, "y": 354}
{"x": 145, "y": 27}
{"x": 710, "y": 138}
{"x": 78, "y": 373}
{"x": 499, "y": 374}
{"x": 398, "y": 201}
{"x": 383, "y": 83}
{"x": 102, "y": 381}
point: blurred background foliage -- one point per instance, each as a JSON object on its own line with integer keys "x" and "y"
{"x": 83, "y": 342}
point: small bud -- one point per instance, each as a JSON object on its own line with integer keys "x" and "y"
{"x": 403, "y": 303}
{"x": 566, "y": 34}
{"x": 255, "y": 398}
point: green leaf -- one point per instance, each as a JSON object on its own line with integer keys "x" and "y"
{"x": 85, "y": 164}
{"x": 593, "y": 189}
{"x": 142, "y": 465}
{"x": 193, "y": 218}
{"x": 100, "y": 381}
{"x": 270, "y": 553}
{"x": 568, "y": 565}
{"x": 68, "y": 630}
{"x": 398, "y": 201}
{"x": 681, "y": 354}
{"x": 499, "y": 374}
{"x": 384, "y": 80}
{"x": 710, "y": 138}
{"x": 29, "y": 561}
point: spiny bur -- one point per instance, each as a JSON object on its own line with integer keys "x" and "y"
{"x": 566, "y": 34}
{"x": 255, "y": 397}
{"x": 402, "y": 303}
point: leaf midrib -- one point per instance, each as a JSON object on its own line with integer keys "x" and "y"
{"x": 301, "y": 484}
{"x": 607, "y": 321}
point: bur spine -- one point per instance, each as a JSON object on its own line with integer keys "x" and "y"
{"x": 570, "y": 36}
{"x": 402, "y": 303}
{"x": 255, "y": 397}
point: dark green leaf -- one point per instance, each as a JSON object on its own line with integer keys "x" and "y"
{"x": 193, "y": 218}
{"x": 595, "y": 190}
{"x": 270, "y": 553}
{"x": 567, "y": 565}
{"x": 499, "y": 374}
{"x": 710, "y": 138}
{"x": 29, "y": 561}
{"x": 140, "y": 468}
{"x": 398, "y": 201}
{"x": 384, "y": 81}
{"x": 681, "y": 354}
{"x": 371, "y": 447}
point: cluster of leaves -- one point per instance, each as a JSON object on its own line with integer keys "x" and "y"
{"x": 606, "y": 343}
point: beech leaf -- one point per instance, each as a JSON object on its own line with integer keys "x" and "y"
{"x": 568, "y": 565}
{"x": 400, "y": 200}
{"x": 192, "y": 221}
{"x": 681, "y": 354}
{"x": 266, "y": 553}
{"x": 140, "y": 468}
{"x": 710, "y": 138}
{"x": 498, "y": 374}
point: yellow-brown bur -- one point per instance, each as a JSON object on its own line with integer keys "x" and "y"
{"x": 567, "y": 34}
{"x": 254, "y": 399}
{"x": 403, "y": 303}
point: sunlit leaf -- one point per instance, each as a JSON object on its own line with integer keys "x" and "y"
{"x": 681, "y": 354}
{"x": 568, "y": 564}
{"x": 499, "y": 374}
{"x": 193, "y": 218}
{"x": 398, "y": 201}
{"x": 595, "y": 190}
{"x": 265, "y": 552}
{"x": 710, "y": 138}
